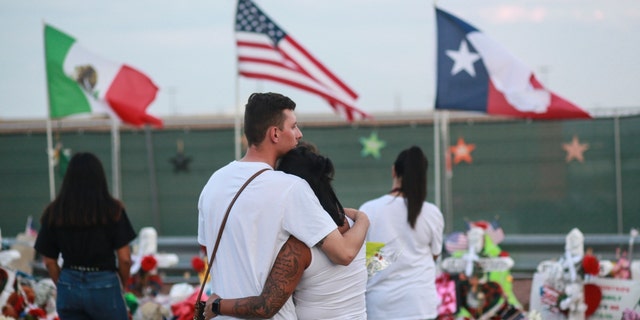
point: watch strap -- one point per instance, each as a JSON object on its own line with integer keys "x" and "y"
{"x": 215, "y": 306}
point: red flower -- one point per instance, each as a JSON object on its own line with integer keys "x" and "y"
{"x": 197, "y": 264}
{"x": 590, "y": 265}
{"x": 148, "y": 263}
{"x": 37, "y": 312}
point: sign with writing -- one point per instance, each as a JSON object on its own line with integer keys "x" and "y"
{"x": 617, "y": 295}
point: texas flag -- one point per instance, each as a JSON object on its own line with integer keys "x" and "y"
{"x": 476, "y": 73}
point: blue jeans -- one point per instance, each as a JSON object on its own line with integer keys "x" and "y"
{"x": 90, "y": 295}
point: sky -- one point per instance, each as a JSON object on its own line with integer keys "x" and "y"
{"x": 586, "y": 51}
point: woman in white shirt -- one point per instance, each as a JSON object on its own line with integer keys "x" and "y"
{"x": 412, "y": 231}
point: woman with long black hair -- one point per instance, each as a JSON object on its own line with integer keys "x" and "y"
{"x": 411, "y": 230}
{"x": 88, "y": 228}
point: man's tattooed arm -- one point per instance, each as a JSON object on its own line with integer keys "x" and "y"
{"x": 294, "y": 257}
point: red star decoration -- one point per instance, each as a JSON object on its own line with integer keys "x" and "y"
{"x": 462, "y": 151}
{"x": 575, "y": 150}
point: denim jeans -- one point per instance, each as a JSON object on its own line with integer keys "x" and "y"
{"x": 90, "y": 295}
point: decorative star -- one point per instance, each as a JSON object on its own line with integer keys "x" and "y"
{"x": 371, "y": 146}
{"x": 575, "y": 149}
{"x": 180, "y": 161}
{"x": 462, "y": 151}
{"x": 463, "y": 59}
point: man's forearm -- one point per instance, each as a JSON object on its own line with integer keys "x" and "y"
{"x": 294, "y": 257}
{"x": 343, "y": 248}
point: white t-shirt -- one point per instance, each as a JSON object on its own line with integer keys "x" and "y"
{"x": 330, "y": 291}
{"x": 272, "y": 207}
{"x": 406, "y": 288}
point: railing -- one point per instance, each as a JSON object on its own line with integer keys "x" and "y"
{"x": 186, "y": 248}
{"x": 529, "y": 250}
{"x": 526, "y": 250}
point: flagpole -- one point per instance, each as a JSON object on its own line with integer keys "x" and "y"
{"x": 236, "y": 137}
{"x": 448, "y": 208}
{"x": 115, "y": 158}
{"x": 616, "y": 136}
{"x": 52, "y": 178}
{"x": 437, "y": 156}
{"x": 236, "y": 124}
{"x": 153, "y": 182}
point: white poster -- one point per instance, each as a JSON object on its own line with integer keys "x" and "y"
{"x": 617, "y": 295}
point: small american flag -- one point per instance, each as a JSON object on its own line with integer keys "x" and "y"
{"x": 456, "y": 241}
{"x": 549, "y": 296}
{"x": 266, "y": 52}
{"x": 495, "y": 232}
{"x": 29, "y": 229}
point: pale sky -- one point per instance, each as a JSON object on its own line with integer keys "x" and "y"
{"x": 583, "y": 50}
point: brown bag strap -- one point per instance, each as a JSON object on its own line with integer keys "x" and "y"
{"x": 224, "y": 222}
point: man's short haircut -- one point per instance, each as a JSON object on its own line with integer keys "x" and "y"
{"x": 262, "y": 111}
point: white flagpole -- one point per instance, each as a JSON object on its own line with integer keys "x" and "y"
{"x": 52, "y": 177}
{"x": 115, "y": 157}
{"x": 437, "y": 156}
{"x": 237, "y": 136}
{"x": 448, "y": 208}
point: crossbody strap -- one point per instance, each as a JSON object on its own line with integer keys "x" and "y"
{"x": 224, "y": 222}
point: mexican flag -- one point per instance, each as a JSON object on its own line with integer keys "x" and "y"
{"x": 81, "y": 82}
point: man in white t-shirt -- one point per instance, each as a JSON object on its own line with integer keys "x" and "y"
{"x": 272, "y": 207}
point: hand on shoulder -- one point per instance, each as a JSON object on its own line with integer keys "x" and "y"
{"x": 355, "y": 214}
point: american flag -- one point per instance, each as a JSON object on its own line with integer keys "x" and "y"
{"x": 548, "y": 295}
{"x": 266, "y": 52}
{"x": 29, "y": 230}
{"x": 495, "y": 232}
{"x": 456, "y": 241}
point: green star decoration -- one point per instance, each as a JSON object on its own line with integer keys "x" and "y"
{"x": 371, "y": 146}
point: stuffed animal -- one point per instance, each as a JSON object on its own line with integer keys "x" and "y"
{"x": 622, "y": 268}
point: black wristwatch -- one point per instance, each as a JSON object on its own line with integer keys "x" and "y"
{"x": 215, "y": 306}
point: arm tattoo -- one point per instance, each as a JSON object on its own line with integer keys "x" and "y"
{"x": 285, "y": 275}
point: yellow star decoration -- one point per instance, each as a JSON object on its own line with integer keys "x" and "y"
{"x": 371, "y": 146}
{"x": 575, "y": 149}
